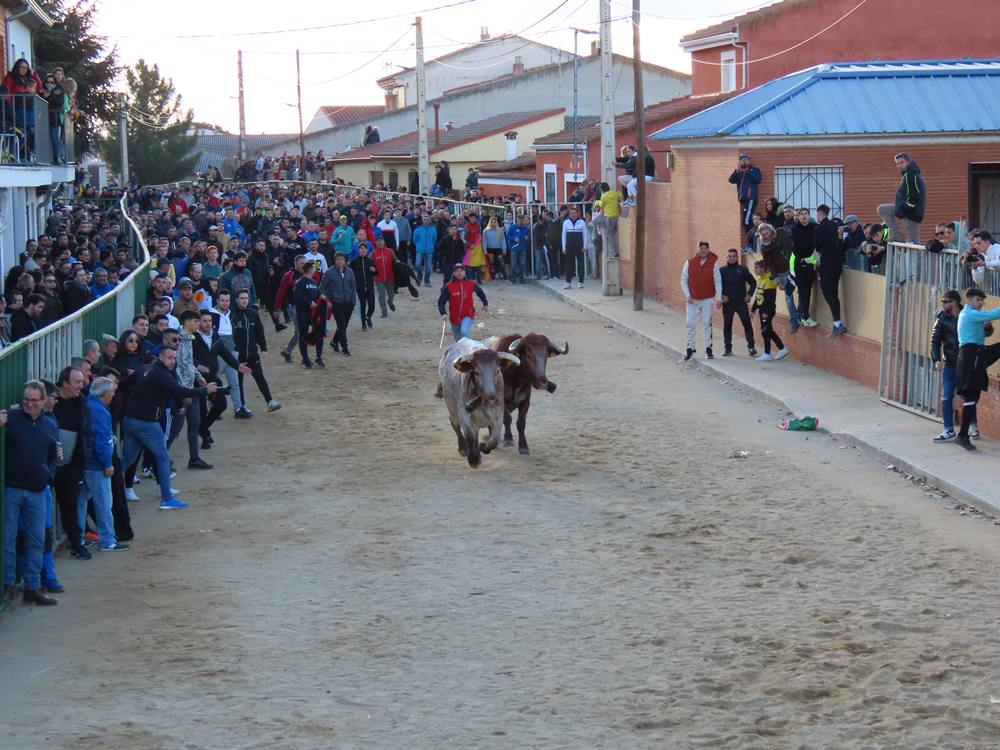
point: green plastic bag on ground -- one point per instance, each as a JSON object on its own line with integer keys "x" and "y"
{"x": 799, "y": 425}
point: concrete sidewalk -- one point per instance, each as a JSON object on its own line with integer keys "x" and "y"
{"x": 848, "y": 410}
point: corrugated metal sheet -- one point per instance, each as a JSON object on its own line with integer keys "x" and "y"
{"x": 858, "y": 99}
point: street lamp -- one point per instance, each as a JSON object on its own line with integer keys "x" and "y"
{"x": 576, "y": 93}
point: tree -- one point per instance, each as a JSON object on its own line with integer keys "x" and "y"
{"x": 159, "y": 146}
{"x": 84, "y": 57}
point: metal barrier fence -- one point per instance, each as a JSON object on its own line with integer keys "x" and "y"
{"x": 914, "y": 282}
{"x": 45, "y": 353}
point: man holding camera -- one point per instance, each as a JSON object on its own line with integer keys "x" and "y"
{"x": 746, "y": 178}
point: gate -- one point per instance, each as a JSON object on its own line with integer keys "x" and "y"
{"x": 914, "y": 282}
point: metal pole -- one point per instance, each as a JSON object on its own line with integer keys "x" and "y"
{"x": 576, "y": 96}
{"x": 243, "y": 119}
{"x": 298, "y": 90}
{"x": 423, "y": 154}
{"x": 607, "y": 98}
{"x": 123, "y": 138}
{"x": 640, "y": 165}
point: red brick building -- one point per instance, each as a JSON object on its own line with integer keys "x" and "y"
{"x": 754, "y": 48}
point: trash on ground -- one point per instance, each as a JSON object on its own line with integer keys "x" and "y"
{"x": 739, "y": 454}
{"x": 799, "y": 425}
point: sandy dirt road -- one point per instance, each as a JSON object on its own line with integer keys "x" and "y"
{"x": 344, "y": 580}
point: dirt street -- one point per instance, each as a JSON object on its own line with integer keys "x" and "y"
{"x": 344, "y": 580}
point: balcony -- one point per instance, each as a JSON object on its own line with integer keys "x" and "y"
{"x": 32, "y": 135}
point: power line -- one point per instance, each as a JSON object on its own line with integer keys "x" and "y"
{"x": 342, "y": 24}
{"x": 733, "y": 14}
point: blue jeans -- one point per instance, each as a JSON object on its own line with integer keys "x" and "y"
{"x": 793, "y": 309}
{"x": 140, "y": 434}
{"x": 426, "y": 262}
{"x": 461, "y": 330}
{"x": 948, "y": 397}
{"x": 98, "y": 487}
{"x": 436, "y": 191}
{"x": 23, "y": 509}
{"x": 517, "y": 263}
{"x": 542, "y": 267}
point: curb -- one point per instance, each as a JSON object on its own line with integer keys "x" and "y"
{"x": 955, "y": 490}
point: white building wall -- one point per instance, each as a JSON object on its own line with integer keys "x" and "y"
{"x": 18, "y": 42}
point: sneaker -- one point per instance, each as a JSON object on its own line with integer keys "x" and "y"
{"x": 708, "y": 353}
{"x": 51, "y": 586}
{"x": 173, "y": 491}
{"x": 320, "y": 362}
{"x": 837, "y": 331}
{"x": 90, "y": 536}
{"x": 80, "y": 553}
{"x": 206, "y": 444}
{"x": 690, "y": 353}
{"x": 370, "y": 324}
{"x": 273, "y": 405}
{"x": 579, "y": 285}
{"x": 89, "y": 542}
{"x": 199, "y": 463}
{"x": 116, "y": 547}
{"x": 945, "y": 436}
{"x": 809, "y": 323}
{"x": 567, "y": 285}
{"x": 307, "y": 364}
{"x": 974, "y": 431}
{"x": 243, "y": 413}
{"x": 765, "y": 357}
{"x": 965, "y": 443}
{"x": 727, "y": 353}
{"x": 130, "y": 495}
{"x": 146, "y": 473}
{"x": 346, "y": 352}
{"x": 279, "y": 327}
{"x": 392, "y": 307}
{"x": 781, "y": 353}
{"x": 172, "y": 504}
{"x": 287, "y": 356}
{"x": 335, "y": 346}
{"x": 752, "y": 353}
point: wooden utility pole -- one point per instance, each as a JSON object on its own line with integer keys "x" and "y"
{"x": 423, "y": 154}
{"x": 298, "y": 90}
{"x": 123, "y": 138}
{"x": 243, "y": 119}
{"x": 640, "y": 167}
{"x": 607, "y": 98}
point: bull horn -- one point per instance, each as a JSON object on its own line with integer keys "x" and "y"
{"x": 515, "y": 345}
{"x": 464, "y": 359}
{"x": 510, "y": 358}
{"x": 557, "y": 349}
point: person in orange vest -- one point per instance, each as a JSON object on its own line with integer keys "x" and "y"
{"x": 701, "y": 282}
{"x": 457, "y": 295}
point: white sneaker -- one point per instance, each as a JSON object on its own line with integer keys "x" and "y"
{"x": 147, "y": 473}
{"x": 130, "y": 494}
{"x": 765, "y": 357}
{"x": 580, "y": 285}
{"x": 781, "y": 354}
{"x": 974, "y": 431}
{"x": 173, "y": 491}
{"x": 567, "y": 285}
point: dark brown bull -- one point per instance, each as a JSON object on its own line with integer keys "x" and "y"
{"x": 534, "y": 351}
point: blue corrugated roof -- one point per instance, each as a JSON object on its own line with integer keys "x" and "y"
{"x": 858, "y": 99}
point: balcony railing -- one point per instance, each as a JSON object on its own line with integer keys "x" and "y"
{"x": 33, "y": 133}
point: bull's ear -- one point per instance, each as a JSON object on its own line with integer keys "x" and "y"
{"x": 555, "y": 350}
{"x": 463, "y": 366}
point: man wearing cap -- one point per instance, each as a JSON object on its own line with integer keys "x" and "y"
{"x": 457, "y": 295}
{"x": 185, "y": 298}
{"x": 239, "y": 278}
{"x": 746, "y": 178}
{"x": 701, "y": 282}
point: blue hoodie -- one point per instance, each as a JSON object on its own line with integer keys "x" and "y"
{"x": 518, "y": 237}
{"x": 104, "y": 442}
{"x": 425, "y": 238}
{"x": 970, "y": 324}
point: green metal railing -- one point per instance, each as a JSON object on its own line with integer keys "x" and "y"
{"x": 46, "y": 352}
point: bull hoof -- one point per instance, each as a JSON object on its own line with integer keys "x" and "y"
{"x": 484, "y": 448}
{"x": 474, "y": 461}
{"x": 463, "y": 452}
{"x": 523, "y": 450}
{"x": 508, "y": 442}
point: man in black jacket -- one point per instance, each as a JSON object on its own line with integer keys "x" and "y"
{"x": 142, "y": 412}
{"x": 944, "y": 354}
{"x": 76, "y": 435}
{"x": 908, "y": 208}
{"x": 450, "y": 250}
{"x": 831, "y": 265}
{"x": 364, "y": 270}
{"x": 207, "y": 348}
{"x": 804, "y": 270}
{"x": 738, "y": 287}
{"x": 26, "y": 321}
{"x": 248, "y": 333}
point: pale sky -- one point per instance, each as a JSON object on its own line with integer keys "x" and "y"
{"x": 204, "y": 68}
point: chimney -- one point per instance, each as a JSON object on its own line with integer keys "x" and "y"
{"x": 391, "y": 101}
{"x": 594, "y": 49}
{"x": 484, "y": 34}
{"x": 511, "y": 136}
{"x": 437, "y": 124}
{"x": 518, "y": 66}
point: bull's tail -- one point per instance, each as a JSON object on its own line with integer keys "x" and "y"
{"x": 439, "y": 393}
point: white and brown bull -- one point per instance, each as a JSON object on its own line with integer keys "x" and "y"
{"x": 534, "y": 350}
{"x": 472, "y": 385}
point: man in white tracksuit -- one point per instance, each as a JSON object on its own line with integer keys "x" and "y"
{"x": 701, "y": 282}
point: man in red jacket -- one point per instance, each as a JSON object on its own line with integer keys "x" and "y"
{"x": 384, "y": 280}
{"x": 457, "y": 294}
{"x": 701, "y": 282}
